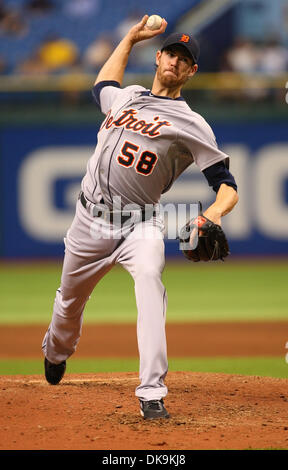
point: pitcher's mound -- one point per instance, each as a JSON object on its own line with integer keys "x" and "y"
{"x": 100, "y": 411}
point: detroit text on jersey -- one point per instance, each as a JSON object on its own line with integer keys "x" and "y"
{"x": 129, "y": 120}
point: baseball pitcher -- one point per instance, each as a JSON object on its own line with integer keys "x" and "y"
{"x": 147, "y": 139}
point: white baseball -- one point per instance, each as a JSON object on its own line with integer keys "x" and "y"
{"x": 154, "y": 22}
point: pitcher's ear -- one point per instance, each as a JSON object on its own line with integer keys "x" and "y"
{"x": 158, "y": 55}
{"x": 194, "y": 70}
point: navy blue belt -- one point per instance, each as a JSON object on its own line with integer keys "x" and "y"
{"x": 111, "y": 216}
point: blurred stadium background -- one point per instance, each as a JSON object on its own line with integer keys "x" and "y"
{"x": 50, "y": 52}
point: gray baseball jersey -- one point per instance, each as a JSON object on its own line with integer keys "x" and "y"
{"x": 144, "y": 144}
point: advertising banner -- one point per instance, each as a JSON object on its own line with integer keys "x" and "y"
{"x": 42, "y": 167}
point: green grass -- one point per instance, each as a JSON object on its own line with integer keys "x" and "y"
{"x": 260, "y": 366}
{"x": 231, "y": 291}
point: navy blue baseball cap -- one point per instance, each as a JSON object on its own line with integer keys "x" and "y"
{"x": 185, "y": 40}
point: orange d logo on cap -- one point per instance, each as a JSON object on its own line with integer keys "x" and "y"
{"x": 184, "y": 38}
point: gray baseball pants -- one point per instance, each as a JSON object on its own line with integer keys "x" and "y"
{"x": 89, "y": 255}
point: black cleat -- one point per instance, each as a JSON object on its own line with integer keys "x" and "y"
{"x": 54, "y": 372}
{"x": 153, "y": 409}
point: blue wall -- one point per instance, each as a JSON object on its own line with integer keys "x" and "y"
{"x": 41, "y": 170}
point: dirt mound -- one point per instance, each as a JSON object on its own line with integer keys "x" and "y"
{"x": 100, "y": 411}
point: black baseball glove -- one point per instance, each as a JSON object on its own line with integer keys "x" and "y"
{"x": 202, "y": 240}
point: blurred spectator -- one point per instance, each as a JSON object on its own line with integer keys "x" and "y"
{"x": 274, "y": 58}
{"x": 273, "y": 62}
{"x": 270, "y": 58}
{"x": 98, "y": 52}
{"x": 39, "y": 6}
{"x": 57, "y": 53}
{"x": 80, "y": 8}
{"x": 11, "y": 22}
{"x": 255, "y": 62}
{"x": 54, "y": 55}
{"x": 242, "y": 57}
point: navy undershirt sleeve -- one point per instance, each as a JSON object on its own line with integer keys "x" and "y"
{"x": 218, "y": 174}
{"x": 97, "y": 89}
